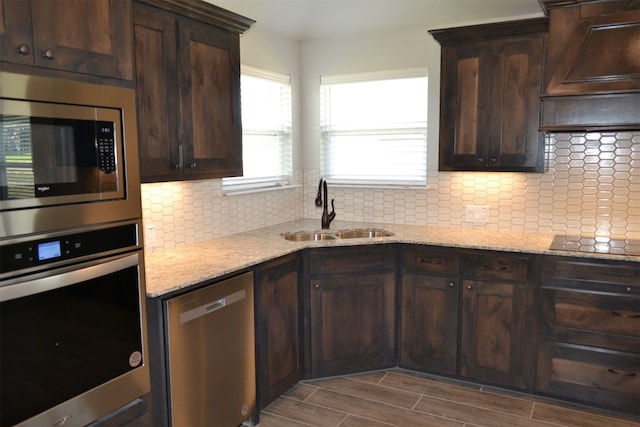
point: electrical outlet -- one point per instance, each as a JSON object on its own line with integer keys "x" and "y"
{"x": 150, "y": 235}
{"x": 478, "y": 214}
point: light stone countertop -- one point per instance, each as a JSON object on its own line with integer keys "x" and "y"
{"x": 178, "y": 268}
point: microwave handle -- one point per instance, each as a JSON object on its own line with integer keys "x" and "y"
{"x": 60, "y": 278}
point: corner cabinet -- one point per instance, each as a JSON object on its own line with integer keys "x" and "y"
{"x": 491, "y": 79}
{"x": 592, "y": 70}
{"x": 188, "y": 86}
{"x": 352, "y": 309}
{"x": 589, "y": 345}
{"x": 62, "y": 36}
{"x": 279, "y": 327}
{"x": 466, "y": 313}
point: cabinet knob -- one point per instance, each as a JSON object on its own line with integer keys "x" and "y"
{"x": 451, "y": 284}
{"x": 24, "y": 49}
{"x": 494, "y": 159}
{"x": 177, "y": 166}
{"x": 49, "y": 54}
{"x": 315, "y": 284}
{"x": 480, "y": 159}
{"x": 193, "y": 165}
{"x": 469, "y": 287}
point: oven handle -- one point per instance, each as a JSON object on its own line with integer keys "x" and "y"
{"x": 60, "y": 278}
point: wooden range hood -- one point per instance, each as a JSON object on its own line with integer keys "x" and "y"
{"x": 592, "y": 71}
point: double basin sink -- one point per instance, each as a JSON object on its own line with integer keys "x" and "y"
{"x": 357, "y": 233}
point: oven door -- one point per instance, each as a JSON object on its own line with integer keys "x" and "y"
{"x": 71, "y": 343}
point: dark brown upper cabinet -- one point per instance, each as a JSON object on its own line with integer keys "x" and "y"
{"x": 188, "y": 85}
{"x": 490, "y": 88}
{"x": 592, "y": 65}
{"x": 87, "y": 37}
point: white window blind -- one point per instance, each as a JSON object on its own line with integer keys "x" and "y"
{"x": 374, "y": 127}
{"x": 266, "y": 131}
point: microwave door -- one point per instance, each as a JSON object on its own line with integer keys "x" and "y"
{"x": 64, "y": 158}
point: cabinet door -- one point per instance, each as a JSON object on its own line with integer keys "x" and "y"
{"x": 279, "y": 329}
{"x": 16, "y": 36}
{"x": 465, "y": 104}
{"x": 352, "y": 323}
{"x": 492, "y": 344}
{"x": 209, "y": 76}
{"x": 429, "y": 323}
{"x": 90, "y": 37}
{"x": 516, "y": 83}
{"x": 157, "y": 93}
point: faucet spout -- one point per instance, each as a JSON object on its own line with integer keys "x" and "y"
{"x": 322, "y": 200}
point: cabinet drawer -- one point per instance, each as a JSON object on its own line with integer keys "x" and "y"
{"x": 496, "y": 266}
{"x": 591, "y": 375}
{"x": 431, "y": 260}
{"x": 623, "y": 277}
{"x": 603, "y": 319}
{"x": 352, "y": 259}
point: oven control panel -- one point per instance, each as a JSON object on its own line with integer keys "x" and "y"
{"x": 40, "y": 251}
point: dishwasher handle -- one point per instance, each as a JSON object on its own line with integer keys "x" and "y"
{"x": 212, "y": 306}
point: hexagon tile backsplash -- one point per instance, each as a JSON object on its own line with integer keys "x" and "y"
{"x": 591, "y": 186}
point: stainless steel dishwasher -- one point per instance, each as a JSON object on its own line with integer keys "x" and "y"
{"x": 212, "y": 354}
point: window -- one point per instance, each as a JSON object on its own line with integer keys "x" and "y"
{"x": 374, "y": 127}
{"x": 266, "y": 131}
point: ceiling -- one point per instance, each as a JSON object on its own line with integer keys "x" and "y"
{"x": 309, "y": 20}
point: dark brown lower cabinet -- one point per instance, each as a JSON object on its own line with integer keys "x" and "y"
{"x": 352, "y": 309}
{"x": 492, "y": 344}
{"x": 589, "y": 346}
{"x": 465, "y": 313}
{"x": 429, "y": 295}
{"x": 279, "y": 327}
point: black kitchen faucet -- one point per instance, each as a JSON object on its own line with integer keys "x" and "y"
{"x": 326, "y": 216}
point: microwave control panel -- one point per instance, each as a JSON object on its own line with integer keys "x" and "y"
{"x": 106, "y": 147}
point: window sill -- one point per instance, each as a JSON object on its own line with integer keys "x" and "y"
{"x": 259, "y": 190}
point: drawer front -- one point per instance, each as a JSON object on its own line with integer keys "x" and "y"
{"x": 431, "y": 259}
{"x": 496, "y": 266}
{"x": 609, "y": 379}
{"x": 589, "y": 274}
{"x": 602, "y": 319}
{"x": 352, "y": 259}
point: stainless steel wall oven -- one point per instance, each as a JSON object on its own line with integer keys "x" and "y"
{"x": 73, "y": 343}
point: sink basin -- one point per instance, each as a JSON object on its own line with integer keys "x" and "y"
{"x": 363, "y": 233}
{"x": 357, "y": 233}
{"x": 299, "y": 236}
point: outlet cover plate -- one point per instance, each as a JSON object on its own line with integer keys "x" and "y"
{"x": 476, "y": 213}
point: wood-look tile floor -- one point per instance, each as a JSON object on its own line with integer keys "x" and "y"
{"x": 402, "y": 398}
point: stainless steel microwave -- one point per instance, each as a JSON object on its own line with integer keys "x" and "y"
{"x": 68, "y": 154}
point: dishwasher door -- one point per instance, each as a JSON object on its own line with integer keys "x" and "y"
{"x": 212, "y": 354}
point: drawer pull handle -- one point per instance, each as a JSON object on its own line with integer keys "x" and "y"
{"x": 429, "y": 261}
{"x": 618, "y": 372}
{"x": 494, "y": 267}
{"x": 626, "y": 315}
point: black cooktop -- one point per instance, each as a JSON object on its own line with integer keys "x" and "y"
{"x": 605, "y": 245}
